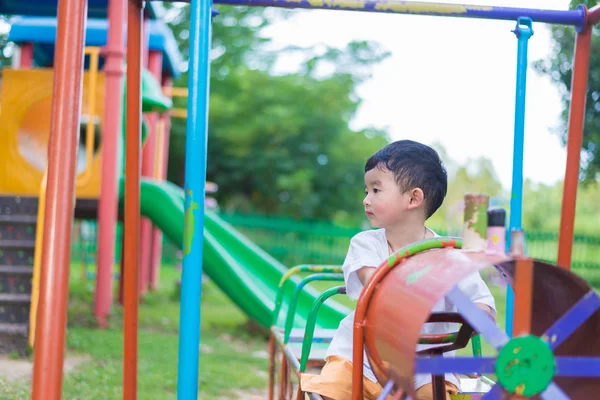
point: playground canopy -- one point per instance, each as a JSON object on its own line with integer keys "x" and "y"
{"x": 41, "y": 31}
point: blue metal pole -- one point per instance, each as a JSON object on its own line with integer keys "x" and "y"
{"x": 565, "y": 17}
{"x": 194, "y": 186}
{"x": 523, "y": 32}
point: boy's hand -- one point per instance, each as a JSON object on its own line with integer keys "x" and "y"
{"x": 487, "y": 309}
{"x": 365, "y": 274}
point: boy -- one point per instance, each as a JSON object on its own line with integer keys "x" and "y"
{"x": 405, "y": 183}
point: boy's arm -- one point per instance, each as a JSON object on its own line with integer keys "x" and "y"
{"x": 487, "y": 309}
{"x": 365, "y": 274}
{"x": 361, "y": 252}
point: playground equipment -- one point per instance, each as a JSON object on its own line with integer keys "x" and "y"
{"x": 24, "y": 136}
{"x": 61, "y": 183}
{"x": 242, "y": 270}
{"x": 551, "y": 353}
{"x": 249, "y": 276}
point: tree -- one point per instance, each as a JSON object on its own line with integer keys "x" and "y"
{"x": 559, "y": 69}
{"x": 281, "y": 144}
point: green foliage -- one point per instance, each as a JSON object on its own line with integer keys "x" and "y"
{"x": 559, "y": 69}
{"x": 281, "y": 143}
{"x": 5, "y": 48}
{"x": 587, "y": 3}
{"x": 287, "y": 147}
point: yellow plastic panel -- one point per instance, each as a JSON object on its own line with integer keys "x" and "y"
{"x": 26, "y": 102}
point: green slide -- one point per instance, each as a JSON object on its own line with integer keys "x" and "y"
{"x": 243, "y": 271}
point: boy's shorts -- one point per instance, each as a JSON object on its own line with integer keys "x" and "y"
{"x": 335, "y": 381}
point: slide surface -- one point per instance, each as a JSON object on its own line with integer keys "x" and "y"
{"x": 242, "y": 270}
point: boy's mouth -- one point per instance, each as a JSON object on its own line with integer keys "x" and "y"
{"x": 369, "y": 213}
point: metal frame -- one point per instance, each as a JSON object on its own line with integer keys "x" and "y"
{"x": 283, "y": 337}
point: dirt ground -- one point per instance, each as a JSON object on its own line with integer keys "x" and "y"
{"x": 13, "y": 370}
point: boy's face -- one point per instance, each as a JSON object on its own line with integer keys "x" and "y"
{"x": 385, "y": 204}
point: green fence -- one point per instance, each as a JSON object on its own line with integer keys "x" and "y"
{"x": 293, "y": 242}
{"x": 296, "y": 242}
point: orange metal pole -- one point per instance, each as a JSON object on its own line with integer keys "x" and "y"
{"x": 523, "y": 296}
{"x": 358, "y": 332}
{"x": 579, "y": 82}
{"x": 62, "y": 156}
{"x": 132, "y": 197}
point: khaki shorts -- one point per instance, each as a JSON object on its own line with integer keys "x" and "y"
{"x": 335, "y": 382}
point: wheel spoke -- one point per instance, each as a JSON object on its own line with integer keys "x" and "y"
{"x": 554, "y": 392}
{"x": 440, "y": 365}
{"x": 494, "y": 394}
{"x": 585, "y": 367}
{"x": 386, "y": 390}
{"x": 572, "y": 319}
{"x": 478, "y": 319}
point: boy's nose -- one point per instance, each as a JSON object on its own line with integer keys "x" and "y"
{"x": 366, "y": 200}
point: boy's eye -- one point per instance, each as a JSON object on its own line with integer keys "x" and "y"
{"x": 375, "y": 190}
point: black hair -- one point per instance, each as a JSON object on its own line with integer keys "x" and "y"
{"x": 414, "y": 165}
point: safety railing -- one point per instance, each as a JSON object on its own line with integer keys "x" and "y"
{"x": 281, "y": 336}
{"x": 286, "y": 339}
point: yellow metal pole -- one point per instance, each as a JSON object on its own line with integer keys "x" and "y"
{"x": 37, "y": 262}
{"x": 94, "y": 53}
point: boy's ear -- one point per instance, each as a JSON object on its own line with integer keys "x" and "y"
{"x": 417, "y": 197}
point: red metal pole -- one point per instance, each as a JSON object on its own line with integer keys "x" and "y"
{"x": 579, "y": 82}
{"x": 145, "y": 224}
{"x": 148, "y": 163}
{"x": 26, "y": 55}
{"x": 594, "y": 15}
{"x": 132, "y": 197}
{"x": 157, "y": 236}
{"x": 155, "y": 59}
{"x": 145, "y": 41}
{"x": 62, "y": 156}
{"x": 114, "y": 54}
{"x": 156, "y": 259}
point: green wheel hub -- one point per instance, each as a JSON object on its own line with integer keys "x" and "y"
{"x": 525, "y": 366}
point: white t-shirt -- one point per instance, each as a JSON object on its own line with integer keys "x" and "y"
{"x": 370, "y": 249}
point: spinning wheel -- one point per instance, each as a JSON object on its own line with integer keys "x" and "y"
{"x": 553, "y": 353}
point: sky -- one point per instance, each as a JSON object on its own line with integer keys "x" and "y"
{"x": 448, "y": 80}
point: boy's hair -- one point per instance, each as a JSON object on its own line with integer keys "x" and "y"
{"x": 414, "y": 165}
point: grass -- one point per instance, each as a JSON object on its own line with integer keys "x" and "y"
{"x": 231, "y": 358}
